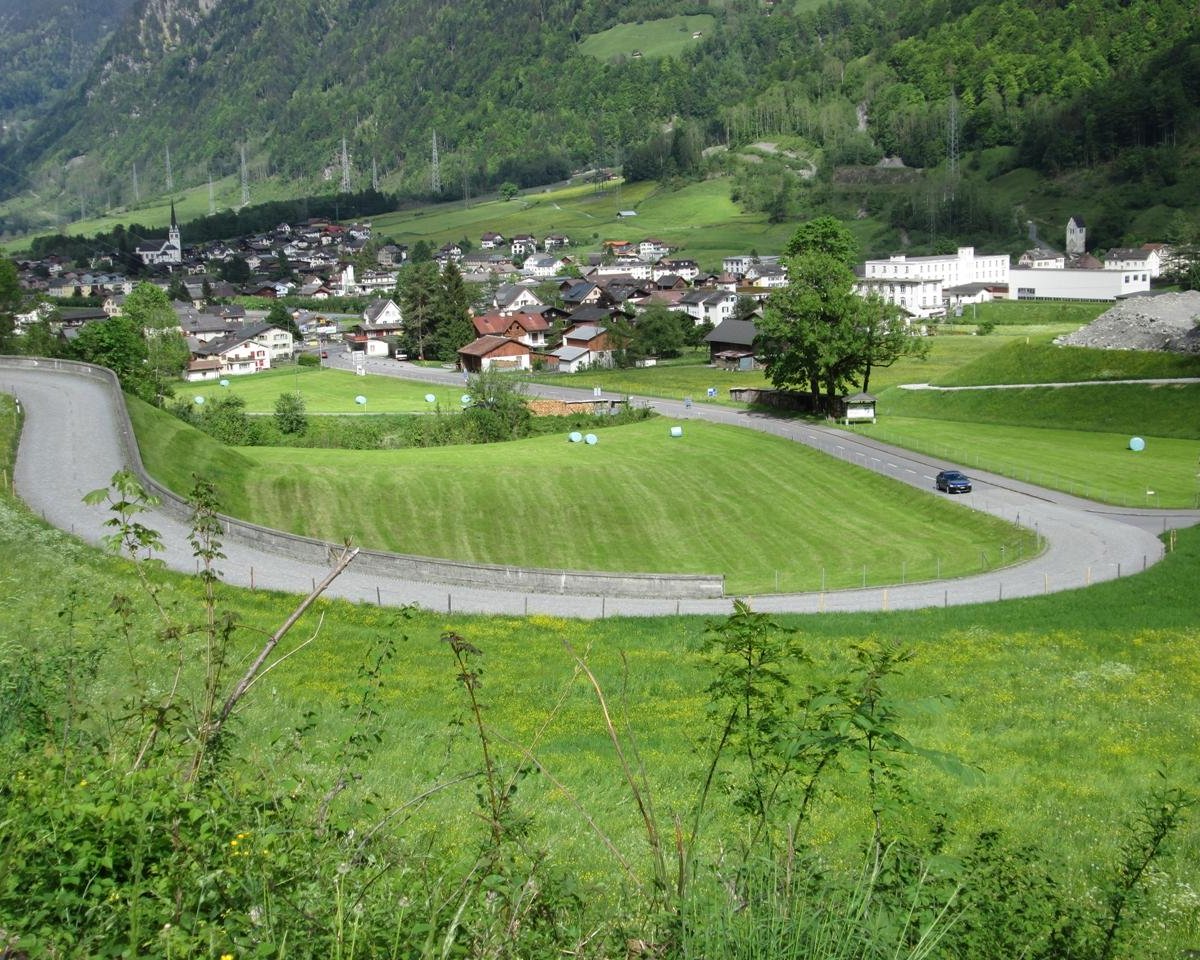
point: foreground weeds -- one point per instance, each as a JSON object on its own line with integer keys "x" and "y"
{"x": 168, "y": 815}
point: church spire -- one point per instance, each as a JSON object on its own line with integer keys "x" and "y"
{"x": 173, "y": 223}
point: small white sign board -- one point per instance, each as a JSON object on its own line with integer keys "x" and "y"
{"x": 360, "y": 370}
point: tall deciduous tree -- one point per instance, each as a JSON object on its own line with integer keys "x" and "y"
{"x": 116, "y": 343}
{"x": 659, "y": 333}
{"x": 824, "y": 235}
{"x": 817, "y": 333}
{"x": 149, "y": 309}
{"x": 290, "y": 414}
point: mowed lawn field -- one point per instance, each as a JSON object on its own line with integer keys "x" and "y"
{"x": 1075, "y": 438}
{"x": 652, "y": 38}
{"x": 326, "y": 390}
{"x": 768, "y": 514}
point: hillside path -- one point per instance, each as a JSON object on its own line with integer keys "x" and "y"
{"x": 72, "y": 443}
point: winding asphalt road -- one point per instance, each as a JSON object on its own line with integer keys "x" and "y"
{"x": 73, "y": 442}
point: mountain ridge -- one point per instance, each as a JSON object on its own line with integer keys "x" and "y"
{"x": 511, "y": 97}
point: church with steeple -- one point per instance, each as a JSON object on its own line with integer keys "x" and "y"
{"x": 169, "y": 251}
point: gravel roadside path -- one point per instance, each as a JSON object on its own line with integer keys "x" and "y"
{"x": 71, "y": 444}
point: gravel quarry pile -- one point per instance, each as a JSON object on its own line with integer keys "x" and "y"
{"x": 1163, "y": 322}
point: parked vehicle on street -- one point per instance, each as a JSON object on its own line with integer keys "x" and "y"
{"x": 953, "y": 481}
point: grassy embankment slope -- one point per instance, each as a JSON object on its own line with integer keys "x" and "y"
{"x": 1067, "y": 704}
{"x": 719, "y": 500}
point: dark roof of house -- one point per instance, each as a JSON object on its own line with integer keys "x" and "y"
{"x": 374, "y": 309}
{"x": 247, "y": 332}
{"x": 1127, "y": 253}
{"x": 81, "y": 314}
{"x": 577, "y": 291}
{"x": 741, "y": 332}
{"x": 591, "y": 314}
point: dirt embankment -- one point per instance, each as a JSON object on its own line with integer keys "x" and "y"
{"x": 1163, "y": 322}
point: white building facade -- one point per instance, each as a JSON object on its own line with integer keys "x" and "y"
{"x": 1097, "y": 285}
{"x": 916, "y": 284}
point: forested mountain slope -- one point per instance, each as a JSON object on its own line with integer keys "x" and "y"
{"x": 510, "y": 95}
{"x": 45, "y": 48}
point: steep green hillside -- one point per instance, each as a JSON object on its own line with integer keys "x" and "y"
{"x": 1103, "y": 95}
{"x": 45, "y": 48}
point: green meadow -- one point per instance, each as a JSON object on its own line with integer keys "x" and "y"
{"x": 326, "y": 390}
{"x": 1098, "y": 466}
{"x": 698, "y": 218}
{"x": 651, "y": 38}
{"x": 1036, "y": 360}
{"x": 691, "y": 375}
{"x": 1065, "y": 708}
{"x": 719, "y": 500}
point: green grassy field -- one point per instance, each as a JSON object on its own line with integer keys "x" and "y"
{"x": 720, "y": 500}
{"x": 1038, "y": 361}
{"x": 1066, "y": 704}
{"x": 651, "y": 38}
{"x": 1163, "y": 410}
{"x": 698, "y": 218}
{"x": 330, "y": 391}
{"x": 1069, "y": 706}
{"x": 1098, "y": 466}
{"x": 692, "y": 376}
{"x": 190, "y": 204}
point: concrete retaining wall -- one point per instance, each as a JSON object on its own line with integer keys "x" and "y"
{"x": 400, "y": 566}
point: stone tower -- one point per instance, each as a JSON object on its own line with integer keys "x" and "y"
{"x": 1076, "y": 236}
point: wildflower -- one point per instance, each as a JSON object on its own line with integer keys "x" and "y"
{"x": 83, "y": 782}
{"x": 227, "y": 956}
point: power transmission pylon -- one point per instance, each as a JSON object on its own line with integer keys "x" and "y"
{"x": 436, "y": 177}
{"x": 245, "y": 179}
{"x": 952, "y": 143}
